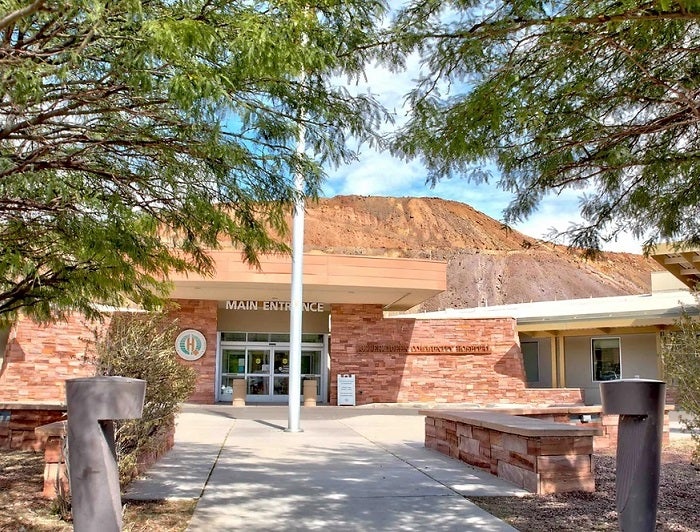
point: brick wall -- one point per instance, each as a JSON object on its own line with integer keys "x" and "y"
{"x": 365, "y": 344}
{"x": 17, "y": 432}
{"x": 202, "y": 316}
{"x": 39, "y": 359}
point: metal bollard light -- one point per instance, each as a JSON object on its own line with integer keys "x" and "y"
{"x": 640, "y": 405}
{"x": 93, "y": 405}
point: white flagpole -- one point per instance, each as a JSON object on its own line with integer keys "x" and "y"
{"x": 297, "y": 295}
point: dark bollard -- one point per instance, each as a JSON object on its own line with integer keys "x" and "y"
{"x": 640, "y": 405}
{"x": 93, "y": 403}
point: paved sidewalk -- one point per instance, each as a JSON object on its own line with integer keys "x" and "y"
{"x": 350, "y": 469}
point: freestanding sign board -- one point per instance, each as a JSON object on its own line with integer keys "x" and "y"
{"x": 346, "y": 390}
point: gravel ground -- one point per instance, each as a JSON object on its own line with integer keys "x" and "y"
{"x": 678, "y": 509}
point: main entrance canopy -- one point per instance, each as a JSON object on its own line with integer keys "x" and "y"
{"x": 397, "y": 284}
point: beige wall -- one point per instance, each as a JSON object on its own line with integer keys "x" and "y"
{"x": 638, "y": 358}
{"x": 269, "y": 321}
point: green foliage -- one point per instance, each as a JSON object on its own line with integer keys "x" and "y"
{"x": 141, "y": 346}
{"x": 681, "y": 355}
{"x": 600, "y": 96}
{"x": 136, "y": 136}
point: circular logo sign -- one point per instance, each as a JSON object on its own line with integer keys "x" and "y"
{"x": 190, "y": 344}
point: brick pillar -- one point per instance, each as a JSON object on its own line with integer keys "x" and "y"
{"x": 202, "y": 316}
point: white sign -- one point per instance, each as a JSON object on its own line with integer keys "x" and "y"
{"x": 346, "y": 390}
{"x": 284, "y": 306}
{"x": 190, "y": 345}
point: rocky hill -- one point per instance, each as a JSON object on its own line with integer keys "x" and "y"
{"x": 487, "y": 264}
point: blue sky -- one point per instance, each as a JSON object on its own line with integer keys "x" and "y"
{"x": 379, "y": 174}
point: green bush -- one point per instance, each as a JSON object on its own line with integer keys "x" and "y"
{"x": 141, "y": 346}
{"x": 681, "y": 356}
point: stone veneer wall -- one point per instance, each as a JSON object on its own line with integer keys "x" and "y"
{"x": 399, "y": 377}
{"x": 40, "y": 358}
{"x": 202, "y": 316}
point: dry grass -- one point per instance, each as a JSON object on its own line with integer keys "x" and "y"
{"x": 678, "y": 508}
{"x": 25, "y": 510}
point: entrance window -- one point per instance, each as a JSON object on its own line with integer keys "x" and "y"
{"x": 606, "y": 359}
{"x": 531, "y": 355}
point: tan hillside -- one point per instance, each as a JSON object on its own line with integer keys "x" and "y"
{"x": 487, "y": 264}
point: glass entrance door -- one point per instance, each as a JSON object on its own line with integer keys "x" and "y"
{"x": 265, "y": 368}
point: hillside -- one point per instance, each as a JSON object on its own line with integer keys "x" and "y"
{"x": 487, "y": 265}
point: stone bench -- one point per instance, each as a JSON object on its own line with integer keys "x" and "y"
{"x": 537, "y": 455}
{"x": 55, "y": 476}
{"x": 18, "y": 421}
{"x": 582, "y": 415}
{"x": 53, "y": 436}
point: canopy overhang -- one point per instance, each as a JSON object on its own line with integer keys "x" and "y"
{"x": 395, "y": 283}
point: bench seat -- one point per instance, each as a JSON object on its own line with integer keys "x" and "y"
{"x": 537, "y": 455}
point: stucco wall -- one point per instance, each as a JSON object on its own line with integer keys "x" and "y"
{"x": 638, "y": 357}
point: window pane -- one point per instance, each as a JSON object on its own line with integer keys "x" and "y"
{"x": 233, "y": 361}
{"x": 281, "y": 361}
{"x": 258, "y": 385}
{"x": 312, "y": 338}
{"x": 281, "y": 338}
{"x": 531, "y": 361}
{"x": 281, "y": 386}
{"x": 606, "y": 359}
{"x": 233, "y": 337}
{"x": 258, "y": 337}
{"x": 310, "y": 362}
{"x": 258, "y": 361}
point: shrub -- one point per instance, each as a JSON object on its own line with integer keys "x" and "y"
{"x": 681, "y": 356}
{"x": 141, "y": 346}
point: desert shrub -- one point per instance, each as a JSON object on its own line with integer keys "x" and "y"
{"x": 681, "y": 356}
{"x": 141, "y": 346}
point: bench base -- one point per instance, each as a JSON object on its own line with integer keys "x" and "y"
{"x": 539, "y": 456}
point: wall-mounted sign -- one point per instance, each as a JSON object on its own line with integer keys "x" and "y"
{"x": 190, "y": 344}
{"x": 470, "y": 349}
{"x": 284, "y": 306}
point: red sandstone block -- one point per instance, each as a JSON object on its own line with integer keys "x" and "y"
{"x": 566, "y": 445}
{"x": 515, "y": 443}
{"x": 481, "y": 435}
{"x": 484, "y": 451}
{"x": 528, "y": 480}
{"x": 523, "y": 461}
{"x": 475, "y": 460}
{"x": 571, "y": 465}
{"x": 443, "y": 447}
{"x": 608, "y": 419}
{"x": 469, "y": 446}
{"x": 464, "y": 431}
{"x": 53, "y": 450}
{"x": 55, "y": 475}
{"x": 563, "y": 484}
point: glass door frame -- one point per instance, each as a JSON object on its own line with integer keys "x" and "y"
{"x": 224, "y": 394}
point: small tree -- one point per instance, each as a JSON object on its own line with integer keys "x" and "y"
{"x": 141, "y": 346}
{"x": 681, "y": 356}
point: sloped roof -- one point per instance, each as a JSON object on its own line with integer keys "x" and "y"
{"x": 659, "y": 308}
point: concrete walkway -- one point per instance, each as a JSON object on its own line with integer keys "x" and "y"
{"x": 352, "y": 468}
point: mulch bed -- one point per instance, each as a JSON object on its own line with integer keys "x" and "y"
{"x": 678, "y": 509}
